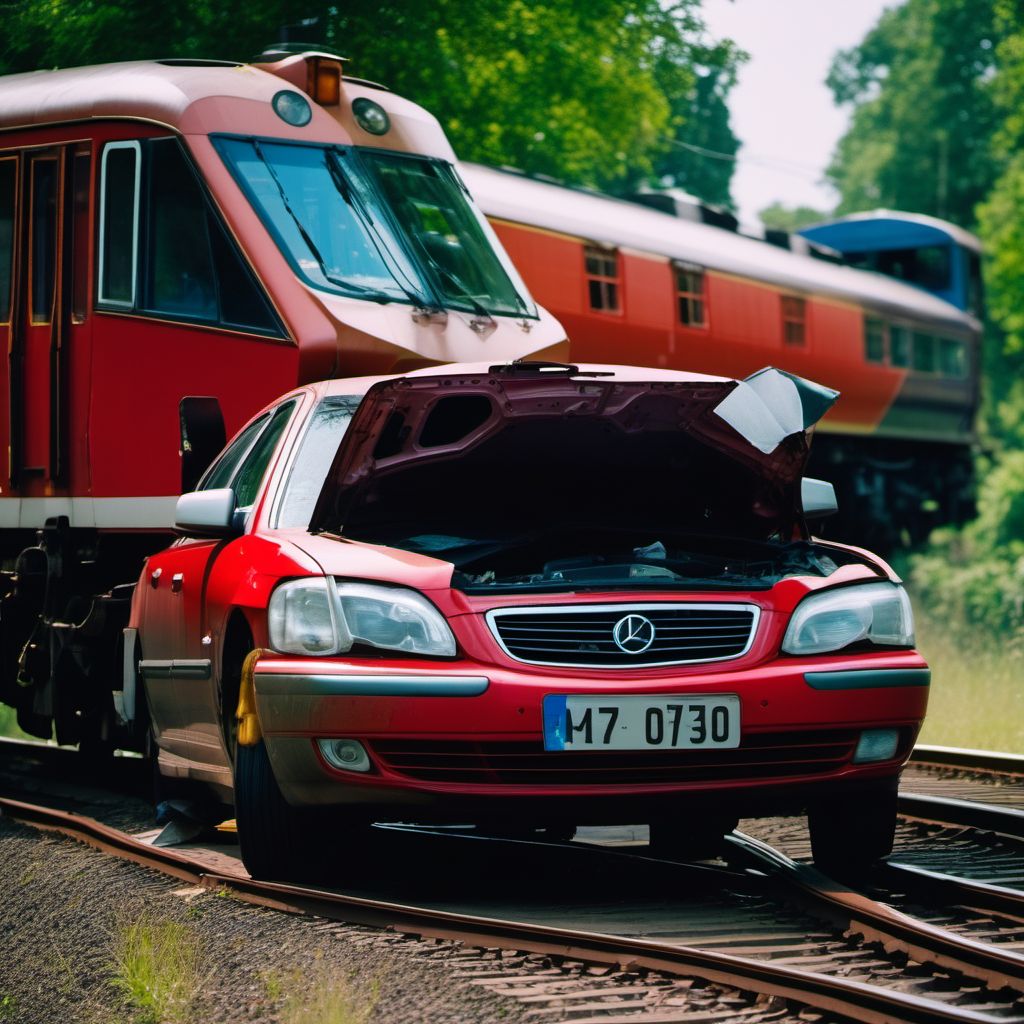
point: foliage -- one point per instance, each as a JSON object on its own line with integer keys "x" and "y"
{"x": 924, "y": 110}
{"x": 976, "y": 699}
{"x": 780, "y": 217}
{"x": 326, "y": 996}
{"x": 158, "y": 968}
{"x": 701, "y": 156}
{"x": 594, "y": 94}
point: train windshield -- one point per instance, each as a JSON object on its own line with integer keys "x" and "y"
{"x": 387, "y": 228}
{"x": 448, "y": 233}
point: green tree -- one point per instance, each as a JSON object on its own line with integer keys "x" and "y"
{"x": 701, "y": 156}
{"x": 924, "y": 111}
{"x": 791, "y": 218}
{"x": 592, "y": 94}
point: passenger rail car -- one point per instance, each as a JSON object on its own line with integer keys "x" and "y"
{"x": 634, "y": 283}
{"x": 180, "y": 242}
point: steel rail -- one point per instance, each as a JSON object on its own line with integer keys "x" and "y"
{"x": 997, "y": 966}
{"x": 963, "y": 757}
{"x": 954, "y": 890}
{"x": 853, "y": 999}
{"x": 944, "y": 810}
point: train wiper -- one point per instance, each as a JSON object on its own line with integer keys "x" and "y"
{"x": 373, "y": 294}
{"x": 341, "y": 183}
{"x": 461, "y": 291}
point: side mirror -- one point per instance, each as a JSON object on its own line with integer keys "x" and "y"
{"x": 202, "y": 438}
{"x": 818, "y": 498}
{"x": 206, "y": 513}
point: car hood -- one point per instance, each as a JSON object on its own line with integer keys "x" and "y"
{"x": 518, "y": 446}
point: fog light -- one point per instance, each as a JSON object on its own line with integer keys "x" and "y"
{"x": 876, "y": 745}
{"x": 348, "y": 755}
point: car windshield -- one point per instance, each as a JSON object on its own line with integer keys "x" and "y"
{"x": 316, "y": 452}
{"x": 392, "y": 228}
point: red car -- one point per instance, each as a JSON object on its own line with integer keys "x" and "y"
{"x": 531, "y": 597}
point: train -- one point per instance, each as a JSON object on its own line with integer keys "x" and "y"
{"x": 882, "y": 306}
{"x": 180, "y": 242}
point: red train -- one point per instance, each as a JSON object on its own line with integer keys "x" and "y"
{"x": 180, "y": 242}
{"x": 636, "y": 283}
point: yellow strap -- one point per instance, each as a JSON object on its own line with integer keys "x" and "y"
{"x": 249, "y": 731}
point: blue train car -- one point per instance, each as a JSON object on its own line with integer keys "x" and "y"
{"x": 932, "y": 254}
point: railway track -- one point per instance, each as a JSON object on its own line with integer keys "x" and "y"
{"x": 915, "y": 945}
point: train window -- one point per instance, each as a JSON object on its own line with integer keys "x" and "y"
{"x": 179, "y": 262}
{"x": 874, "y": 340}
{"x": 924, "y": 353}
{"x": 80, "y": 173}
{"x": 120, "y": 170}
{"x": 899, "y": 346}
{"x": 312, "y": 215}
{"x": 43, "y": 244}
{"x": 794, "y": 320}
{"x": 8, "y": 176}
{"x": 952, "y": 358}
{"x": 690, "y": 295}
{"x": 192, "y": 271}
{"x": 602, "y": 266}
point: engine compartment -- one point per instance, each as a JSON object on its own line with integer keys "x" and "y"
{"x": 580, "y": 558}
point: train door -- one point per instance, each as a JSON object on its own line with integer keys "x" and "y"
{"x": 46, "y": 192}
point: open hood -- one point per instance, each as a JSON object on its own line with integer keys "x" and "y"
{"x": 526, "y": 445}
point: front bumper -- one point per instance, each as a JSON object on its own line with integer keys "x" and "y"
{"x": 463, "y": 740}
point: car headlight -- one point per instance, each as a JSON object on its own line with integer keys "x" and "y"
{"x": 317, "y": 616}
{"x": 876, "y": 612}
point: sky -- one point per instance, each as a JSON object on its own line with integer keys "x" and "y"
{"x": 782, "y": 111}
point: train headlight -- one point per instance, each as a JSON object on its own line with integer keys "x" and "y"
{"x": 877, "y": 613}
{"x": 371, "y": 116}
{"x": 293, "y": 108}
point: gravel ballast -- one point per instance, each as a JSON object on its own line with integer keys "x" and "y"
{"x": 63, "y": 907}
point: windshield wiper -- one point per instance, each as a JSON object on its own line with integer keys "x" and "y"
{"x": 373, "y": 294}
{"x": 461, "y": 291}
{"x": 345, "y": 191}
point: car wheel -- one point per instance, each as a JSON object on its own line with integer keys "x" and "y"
{"x": 848, "y": 836}
{"x": 274, "y": 836}
{"x": 701, "y": 840}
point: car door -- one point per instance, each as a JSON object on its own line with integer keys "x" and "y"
{"x": 199, "y": 693}
{"x": 176, "y": 664}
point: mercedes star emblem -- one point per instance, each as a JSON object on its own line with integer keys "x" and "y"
{"x": 633, "y": 634}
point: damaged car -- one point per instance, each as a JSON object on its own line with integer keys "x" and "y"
{"x": 530, "y": 597}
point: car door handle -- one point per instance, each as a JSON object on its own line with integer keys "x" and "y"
{"x": 154, "y": 578}
{"x": 176, "y": 581}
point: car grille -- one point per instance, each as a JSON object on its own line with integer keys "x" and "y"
{"x": 760, "y": 756}
{"x": 585, "y": 636}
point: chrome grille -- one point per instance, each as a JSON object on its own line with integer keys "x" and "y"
{"x": 585, "y": 635}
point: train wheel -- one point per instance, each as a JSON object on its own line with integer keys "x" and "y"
{"x": 849, "y": 836}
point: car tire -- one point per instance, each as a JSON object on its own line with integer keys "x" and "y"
{"x": 849, "y": 836}
{"x": 274, "y": 836}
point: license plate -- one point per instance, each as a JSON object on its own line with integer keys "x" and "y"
{"x": 641, "y": 723}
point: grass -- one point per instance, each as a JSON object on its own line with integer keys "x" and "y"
{"x": 976, "y": 696}
{"x": 158, "y": 968}
{"x": 325, "y": 996}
